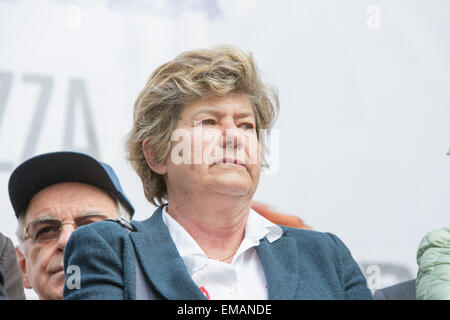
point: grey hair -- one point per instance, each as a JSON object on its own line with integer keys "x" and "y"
{"x": 122, "y": 212}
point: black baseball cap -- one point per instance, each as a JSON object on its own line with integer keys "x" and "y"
{"x": 47, "y": 169}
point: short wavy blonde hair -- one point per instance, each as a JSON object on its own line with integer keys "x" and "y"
{"x": 191, "y": 76}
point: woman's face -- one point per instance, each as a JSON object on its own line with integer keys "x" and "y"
{"x": 215, "y": 149}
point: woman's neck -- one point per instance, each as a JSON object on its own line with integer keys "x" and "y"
{"x": 218, "y": 226}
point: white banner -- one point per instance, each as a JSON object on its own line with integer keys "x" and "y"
{"x": 364, "y": 124}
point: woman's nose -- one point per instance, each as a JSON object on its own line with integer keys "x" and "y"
{"x": 231, "y": 137}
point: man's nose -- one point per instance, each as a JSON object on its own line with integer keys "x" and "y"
{"x": 66, "y": 230}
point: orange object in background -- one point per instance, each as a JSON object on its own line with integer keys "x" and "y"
{"x": 279, "y": 218}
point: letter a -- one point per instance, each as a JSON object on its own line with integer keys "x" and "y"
{"x": 74, "y": 280}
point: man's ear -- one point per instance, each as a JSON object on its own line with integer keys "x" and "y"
{"x": 22, "y": 262}
{"x": 158, "y": 167}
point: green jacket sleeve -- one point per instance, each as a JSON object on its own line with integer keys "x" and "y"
{"x": 433, "y": 259}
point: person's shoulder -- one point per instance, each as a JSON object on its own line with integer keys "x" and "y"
{"x": 105, "y": 230}
{"x": 307, "y": 235}
{"x": 434, "y": 250}
{"x": 4, "y": 241}
{"x": 105, "y": 238}
{"x": 437, "y": 238}
{"x": 316, "y": 240}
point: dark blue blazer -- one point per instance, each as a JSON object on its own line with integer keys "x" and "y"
{"x": 301, "y": 264}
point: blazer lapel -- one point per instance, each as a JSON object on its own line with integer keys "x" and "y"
{"x": 160, "y": 260}
{"x": 279, "y": 260}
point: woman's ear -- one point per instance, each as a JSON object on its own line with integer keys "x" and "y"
{"x": 158, "y": 167}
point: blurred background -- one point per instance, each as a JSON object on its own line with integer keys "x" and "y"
{"x": 360, "y": 144}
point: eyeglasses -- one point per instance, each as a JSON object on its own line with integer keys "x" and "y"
{"x": 47, "y": 229}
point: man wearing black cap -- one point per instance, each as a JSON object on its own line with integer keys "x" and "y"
{"x": 52, "y": 194}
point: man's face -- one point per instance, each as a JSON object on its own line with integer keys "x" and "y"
{"x": 42, "y": 262}
{"x": 220, "y": 135}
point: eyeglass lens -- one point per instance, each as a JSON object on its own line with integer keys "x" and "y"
{"x": 48, "y": 229}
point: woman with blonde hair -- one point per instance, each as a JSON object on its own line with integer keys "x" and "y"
{"x": 198, "y": 144}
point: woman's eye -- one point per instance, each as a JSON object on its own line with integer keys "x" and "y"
{"x": 247, "y": 126}
{"x": 208, "y": 122}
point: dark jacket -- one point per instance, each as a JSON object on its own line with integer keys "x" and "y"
{"x": 301, "y": 264}
{"x": 13, "y": 281}
{"x": 3, "y": 295}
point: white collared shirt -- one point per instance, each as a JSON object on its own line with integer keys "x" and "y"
{"x": 243, "y": 278}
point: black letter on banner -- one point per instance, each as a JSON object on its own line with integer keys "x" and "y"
{"x": 46, "y": 84}
{"x": 5, "y": 88}
{"x": 77, "y": 91}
